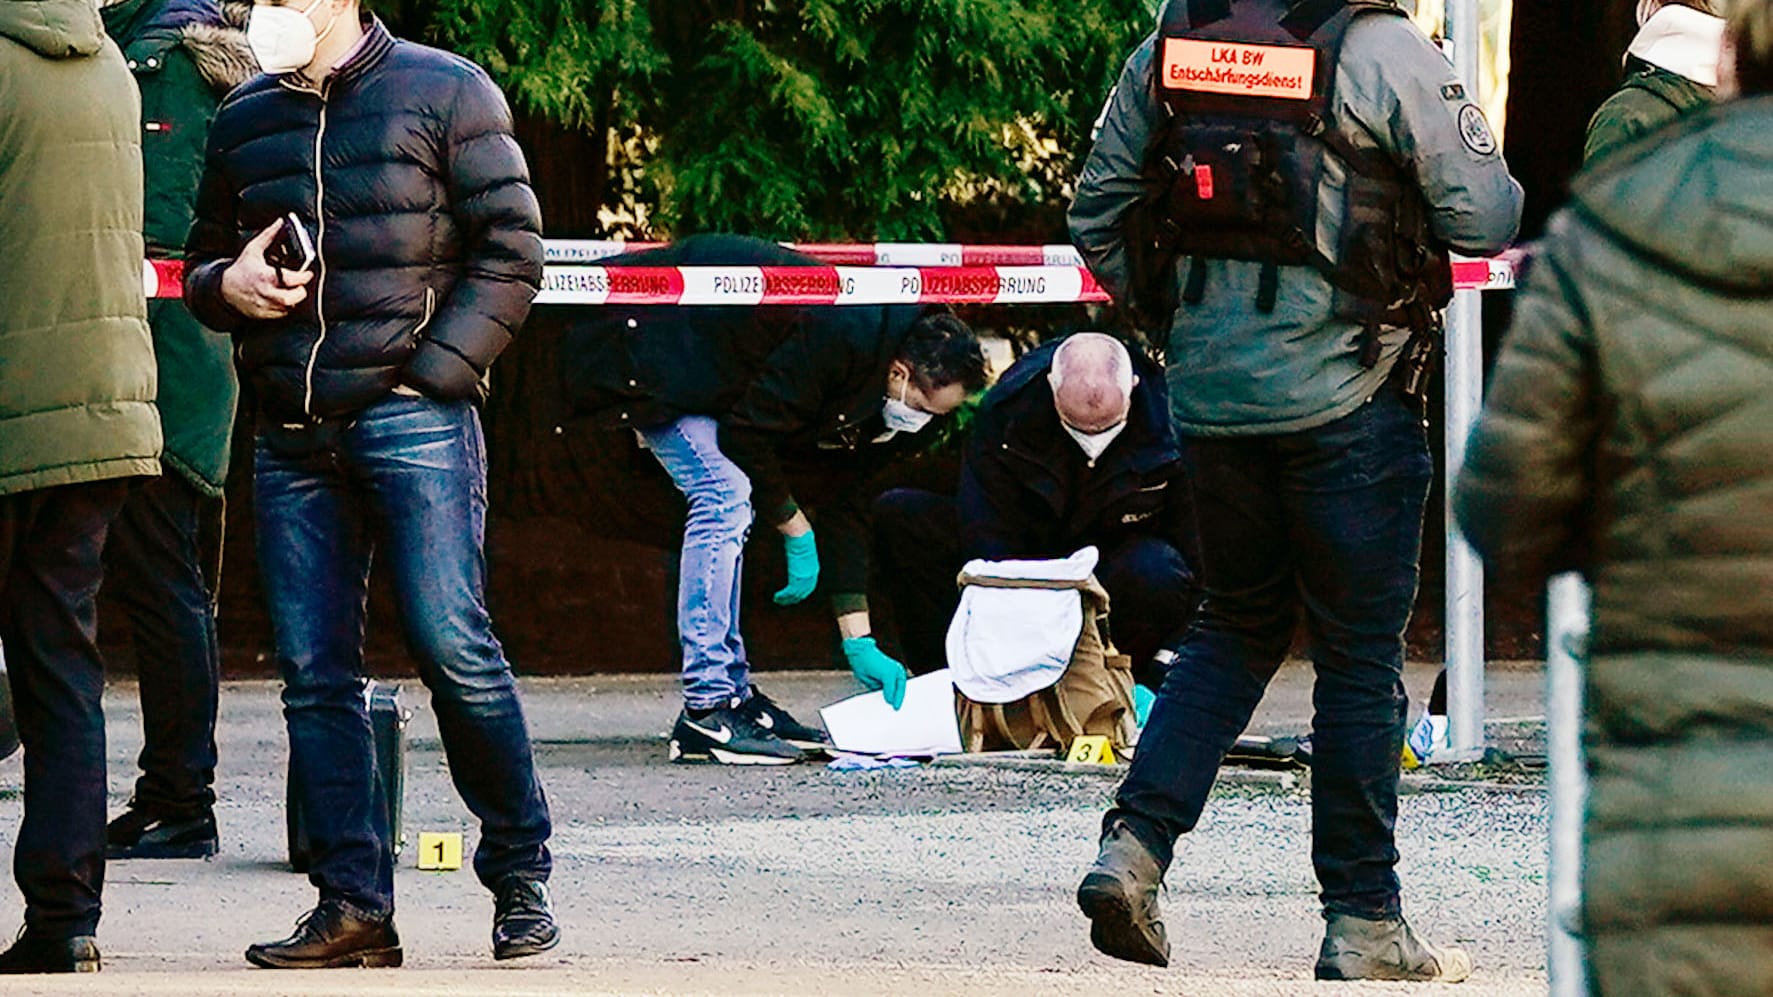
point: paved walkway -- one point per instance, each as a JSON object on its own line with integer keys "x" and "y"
{"x": 709, "y": 880}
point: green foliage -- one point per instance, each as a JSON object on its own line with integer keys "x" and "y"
{"x": 815, "y": 119}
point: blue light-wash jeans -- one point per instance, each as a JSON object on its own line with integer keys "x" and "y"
{"x": 715, "y": 670}
{"x": 1328, "y": 521}
{"x": 409, "y": 475}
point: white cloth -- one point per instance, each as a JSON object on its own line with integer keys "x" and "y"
{"x": 1683, "y": 41}
{"x": 1005, "y": 644}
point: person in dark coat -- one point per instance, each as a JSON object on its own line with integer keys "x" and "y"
{"x": 77, "y": 428}
{"x": 1071, "y": 448}
{"x": 399, "y": 162}
{"x": 1671, "y": 71}
{"x": 725, "y": 397}
{"x": 1628, "y": 435}
{"x": 163, "y": 555}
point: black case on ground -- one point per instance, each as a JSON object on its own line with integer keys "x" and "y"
{"x": 387, "y": 722}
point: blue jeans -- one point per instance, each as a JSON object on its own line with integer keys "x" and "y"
{"x": 154, "y": 568}
{"x": 715, "y": 670}
{"x": 1328, "y": 520}
{"x": 410, "y": 474}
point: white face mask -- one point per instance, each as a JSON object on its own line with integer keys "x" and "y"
{"x": 282, "y": 39}
{"x": 901, "y": 417}
{"x": 1094, "y": 445}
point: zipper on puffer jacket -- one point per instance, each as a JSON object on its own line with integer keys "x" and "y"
{"x": 418, "y": 331}
{"x": 319, "y": 246}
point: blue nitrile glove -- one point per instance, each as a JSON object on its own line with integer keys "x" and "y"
{"x": 1143, "y": 700}
{"x": 875, "y": 670}
{"x": 803, "y": 569}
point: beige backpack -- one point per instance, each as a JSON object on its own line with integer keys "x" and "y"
{"x": 1094, "y": 695}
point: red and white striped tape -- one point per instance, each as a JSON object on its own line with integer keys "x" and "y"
{"x": 861, "y": 254}
{"x": 163, "y": 278}
{"x": 1026, "y": 275}
{"x": 817, "y": 285}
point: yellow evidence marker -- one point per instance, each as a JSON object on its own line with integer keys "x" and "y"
{"x": 1091, "y": 749}
{"x": 440, "y": 851}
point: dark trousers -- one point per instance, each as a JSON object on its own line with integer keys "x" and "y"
{"x": 1328, "y": 521}
{"x": 154, "y": 567}
{"x": 917, "y": 547}
{"x": 407, "y": 477}
{"x": 51, "y": 541}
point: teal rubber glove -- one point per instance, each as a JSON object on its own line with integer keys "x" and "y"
{"x": 1143, "y": 700}
{"x": 875, "y": 670}
{"x": 803, "y": 569}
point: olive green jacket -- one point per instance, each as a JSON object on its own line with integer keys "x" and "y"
{"x": 76, "y": 361}
{"x": 1649, "y": 99}
{"x": 186, "y": 55}
{"x": 1629, "y": 433}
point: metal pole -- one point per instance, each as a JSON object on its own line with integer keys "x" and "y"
{"x": 1464, "y": 389}
{"x": 1566, "y": 639}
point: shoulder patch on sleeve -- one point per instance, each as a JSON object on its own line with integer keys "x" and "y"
{"x": 1474, "y": 130}
{"x": 1453, "y": 92}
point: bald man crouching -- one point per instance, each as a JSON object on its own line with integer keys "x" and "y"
{"x": 1071, "y": 448}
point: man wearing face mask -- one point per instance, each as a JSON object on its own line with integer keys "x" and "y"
{"x": 367, "y": 353}
{"x": 727, "y": 398}
{"x": 1071, "y": 448}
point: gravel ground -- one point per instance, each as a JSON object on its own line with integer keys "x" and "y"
{"x": 710, "y": 880}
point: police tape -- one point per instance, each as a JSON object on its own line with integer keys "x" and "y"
{"x": 807, "y": 285}
{"x": 856, "y": 254}
{"x": 833, "y": 285}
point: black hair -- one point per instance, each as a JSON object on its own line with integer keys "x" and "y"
{"x": 941, "y": 350}
{"x": 1750, "y": 33}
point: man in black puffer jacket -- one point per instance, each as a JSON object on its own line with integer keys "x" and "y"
{"x": 400, "y": 162}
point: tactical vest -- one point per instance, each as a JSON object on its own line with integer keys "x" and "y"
{"x": 1235, "y": 171}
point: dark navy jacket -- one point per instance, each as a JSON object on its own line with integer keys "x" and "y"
{"x": 1027, "y": 491}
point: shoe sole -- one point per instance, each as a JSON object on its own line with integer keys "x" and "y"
{"x": 1113, "y": 928}
{"x": 201, "y": 850}
{"x": 523, "y": 951}
{"x": 367, "y": 959}
{"x": 719, "y": 756}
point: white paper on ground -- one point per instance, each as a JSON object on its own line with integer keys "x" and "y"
{"x": 924, "y": 725}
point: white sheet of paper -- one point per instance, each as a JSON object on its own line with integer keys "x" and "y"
{"x": 924, "y": 725}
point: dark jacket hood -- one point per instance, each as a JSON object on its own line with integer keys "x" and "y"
{"x": 214, "y": 34}
{"x": 55, "y": 29}
{"x": 1698, "y": 200}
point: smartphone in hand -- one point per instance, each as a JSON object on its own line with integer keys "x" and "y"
{"x": 293, "y": 249}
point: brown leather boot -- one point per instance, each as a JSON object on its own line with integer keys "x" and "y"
{"x": 1119, "y": 896}
{"x": 1356, "y": 948}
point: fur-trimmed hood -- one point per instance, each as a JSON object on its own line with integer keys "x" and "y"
{"x": 212, "y": 33}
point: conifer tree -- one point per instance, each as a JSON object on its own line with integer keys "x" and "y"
{"x": 813, "y": 119}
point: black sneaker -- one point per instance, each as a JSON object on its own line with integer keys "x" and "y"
{"x": 728, "y": 736}
{"x": 523, "y": 919}
{"x": 79, "y": 954}
{"x": 333, "y": 935}
{"x": 143, "y": 834}
{"x": 780, "y": 722}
